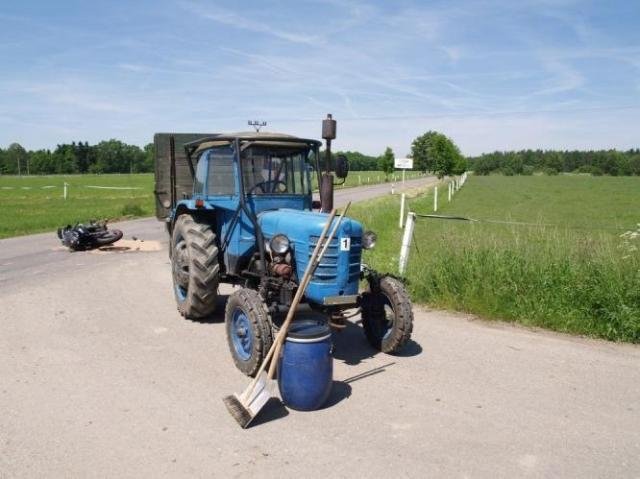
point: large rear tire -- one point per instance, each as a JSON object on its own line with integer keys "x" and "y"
{"x": 195, "y": 268}
{"x": 387, "y": 315}
{"x": 249, "y": 329}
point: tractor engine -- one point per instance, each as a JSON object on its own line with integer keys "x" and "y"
{"x": 291, "y": 236}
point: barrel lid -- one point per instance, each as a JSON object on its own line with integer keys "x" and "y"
{"x": 308, "y": 329}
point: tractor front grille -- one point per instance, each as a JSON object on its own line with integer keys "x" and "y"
{"x": 327, "y": 270}
{"x": 355, "y": 257}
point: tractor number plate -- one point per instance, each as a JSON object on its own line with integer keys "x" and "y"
{"x": 345, "y": 244}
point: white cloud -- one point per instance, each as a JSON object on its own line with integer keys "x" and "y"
{"x": 563, "y": 78}
{"x": 453, "y": 53}
{"x": 133, "y": 67}
{"x": 427, "y": 23}
{"x": 242, "y": 22}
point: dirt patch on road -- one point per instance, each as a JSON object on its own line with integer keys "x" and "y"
{"x": 126, "y": 246}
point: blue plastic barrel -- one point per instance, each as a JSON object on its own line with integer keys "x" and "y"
{"x": 305, "y": 370}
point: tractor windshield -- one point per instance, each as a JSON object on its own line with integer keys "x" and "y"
{"x": 269, "y": 170}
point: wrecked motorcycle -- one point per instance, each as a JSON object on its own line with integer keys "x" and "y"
{"x": 81, "y": 237}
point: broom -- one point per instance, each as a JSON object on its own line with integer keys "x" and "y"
{"x": 245, "y": 407}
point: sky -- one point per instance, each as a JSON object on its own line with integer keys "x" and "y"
{"x": 492, "y": 75}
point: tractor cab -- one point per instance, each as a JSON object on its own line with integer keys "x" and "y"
{"x": 238, "y": 179}
{"x": 268, "y": 170}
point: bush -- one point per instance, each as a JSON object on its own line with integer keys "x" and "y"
{"x": 527, "y": 170}
{"x": 550, "y": 171}
{"x": 584, "y": 169}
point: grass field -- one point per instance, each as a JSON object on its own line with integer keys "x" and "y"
{"x": 570, "y": 271}
{"x": 363, "y": 178}
{"x": 32, "y": 204}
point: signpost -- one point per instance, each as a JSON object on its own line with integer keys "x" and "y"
{"x": 403, "y": 164}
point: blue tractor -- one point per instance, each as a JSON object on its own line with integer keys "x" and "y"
{"x": 239, "y": 210}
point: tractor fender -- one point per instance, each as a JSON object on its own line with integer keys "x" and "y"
{"x": 188, "y": 206}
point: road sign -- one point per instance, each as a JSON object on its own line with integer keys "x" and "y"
{"x": 403, "y": 163}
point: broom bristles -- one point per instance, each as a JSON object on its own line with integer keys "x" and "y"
{"x": 240, "y": 413}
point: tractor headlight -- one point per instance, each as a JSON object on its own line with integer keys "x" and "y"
{"x": 369, "y": 239}
{"x": 279, "y": 244}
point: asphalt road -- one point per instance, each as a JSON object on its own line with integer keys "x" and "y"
{"x": 100, "y": 377}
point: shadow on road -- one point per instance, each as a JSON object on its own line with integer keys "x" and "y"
{"x": 411, "y": 349}
{"x": 352, "y": 347}
{"x": 218, "y": 314}
{"x": 273, "y": 409}
{"x": 340, "y": 390}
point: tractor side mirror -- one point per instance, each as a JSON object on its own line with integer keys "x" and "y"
{"x": 342, "y": 167}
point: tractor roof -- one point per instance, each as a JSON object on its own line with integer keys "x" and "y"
{"x": 263, "y": 138}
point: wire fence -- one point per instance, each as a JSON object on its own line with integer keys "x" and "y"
{"x": 408, "y": 220}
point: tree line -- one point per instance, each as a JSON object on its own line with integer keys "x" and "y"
{"x": 359, "y": 161}
{"x": 552, "y": 162}
{"x": 112, "y": 156}
{"x": 431, "y": 152}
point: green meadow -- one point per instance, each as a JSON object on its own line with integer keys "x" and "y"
{"x": 550, "y": 251}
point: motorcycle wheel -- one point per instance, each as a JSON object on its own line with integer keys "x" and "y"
{"x": 107, "y": 237}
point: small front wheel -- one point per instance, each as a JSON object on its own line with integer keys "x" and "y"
{"x": 387, "y": 315}
{"x": 249, "y": 329}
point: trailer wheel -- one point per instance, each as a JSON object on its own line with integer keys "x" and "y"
{"x": 194, "y": 264}
{"x": 249, "y": 330}
{"x": 387, "y": 315}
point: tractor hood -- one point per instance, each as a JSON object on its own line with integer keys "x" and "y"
{"x": 339, "y": 271}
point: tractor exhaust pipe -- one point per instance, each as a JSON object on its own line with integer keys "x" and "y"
{"x": 326, "y": 193}
{"x": 326, "y": 181}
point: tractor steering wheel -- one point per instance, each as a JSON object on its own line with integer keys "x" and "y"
{"x": 263, "y": 186}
